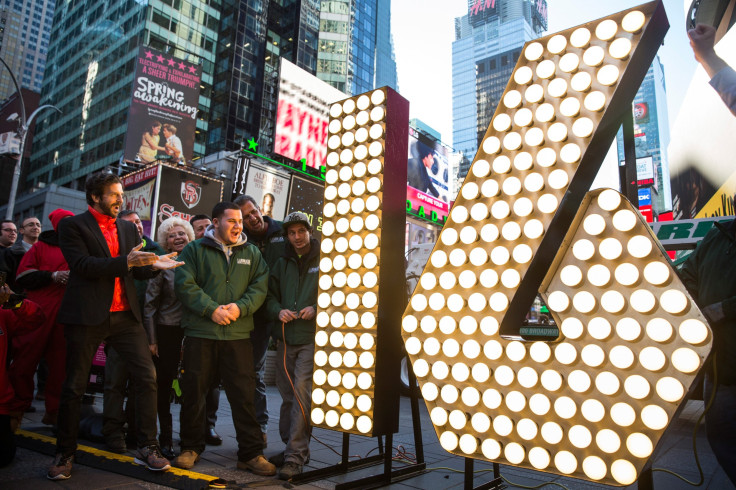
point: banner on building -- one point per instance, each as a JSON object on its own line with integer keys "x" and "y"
{"x": 428, "y": 176}
{"x": 160, "y": 191}
{"x": 302, "y": 116}
{"x": 270, "y": 189}
{"x": 163, "y": 108}
{"x": 239, "y": 176}
{"x": 307, "y": 196}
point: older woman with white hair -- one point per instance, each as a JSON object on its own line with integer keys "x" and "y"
{"x": 162, "y": 321}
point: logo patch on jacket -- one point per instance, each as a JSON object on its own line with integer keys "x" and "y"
{"x": 244, "y": 261}
{"x": 277, "y": 239}
{"x": 313, "y": 270}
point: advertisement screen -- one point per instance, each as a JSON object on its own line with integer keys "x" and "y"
{"x": 428, "y": 175}
{"x": 163, "y": 108}
{"x": 302, "y": 116}
{"x": 307, "y": 196}
{"x": 269, "y": 189}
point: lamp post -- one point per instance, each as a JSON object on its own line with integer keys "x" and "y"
{"x": 22, "y": 132}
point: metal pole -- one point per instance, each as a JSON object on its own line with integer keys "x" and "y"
{"x": 22, "y": 132}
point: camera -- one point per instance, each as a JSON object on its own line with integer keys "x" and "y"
{"x": 15, "y": 301}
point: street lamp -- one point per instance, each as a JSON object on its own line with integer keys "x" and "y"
{"x": 22, "y": 132}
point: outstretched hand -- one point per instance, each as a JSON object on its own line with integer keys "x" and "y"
{"x": 167, "y": 262}
{"x": 136, "y": 258}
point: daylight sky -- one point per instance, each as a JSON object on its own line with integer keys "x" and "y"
{"x": 424, "y": 30}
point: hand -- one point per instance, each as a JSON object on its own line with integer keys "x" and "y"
{"x": 702, "y": 40}
{"x": 136, "y": 258}
{"x": 221, "y": 316}
{"x": 232, "y": 310}
{"x": 307, "y": 313}
{"x": 714, "y": 313}
{"x": 60, "y": 277}
{"x": 285, "y": 316}
{"x": 167, "y": 262}
{"x": 154, "y": 349}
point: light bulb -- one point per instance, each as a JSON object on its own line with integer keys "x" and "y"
{"x": 607, "y": 383}
{"x": 546, "y": 69}
{"x": 580, "y": 37}
{"x": 557, "y": 88}
{"x": 670, "y": 389}
{"x": 491, "y": 449}
{"x": 593, "y": 56}
{"x": 522, "y": 76}
{"x": 539, "y": 404}
{"x": 623, "y": 414}
{"x": 685, "y": 360}
{"x": 637, "y": 387}
{"x": 578, "y": 380}
{"x": 608, "y": 441}
{"x": 581, "y": 81}
{"x": 594, "y": 468}
{"x": 579, "y": 436}
{"x": 633, "y": 21}
{"x": 492, "y": 145}
{"x": 569, "y": 62}
{"x": 595, "y": 101}
{"x": 639, "y": 445}
{"x": 692, "y": 331}
{"x": 592, "y": 410}
{"x": 570, "y": 107}
{"x": 551, "y": 432}
{"x": 592, "y": 355}
{"x": 628, "y": 329}
{"x": 512, "y": 99}
{"x": 533, "y": 51}
{"x": 654, "y": 417}
{"x": 565, "y": 462}
{"x": 621, "y": 357}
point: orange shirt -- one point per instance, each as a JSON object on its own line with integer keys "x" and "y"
{"x": 110, "y": 232}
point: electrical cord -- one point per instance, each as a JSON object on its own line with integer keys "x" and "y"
{"x": 299, "y": 401}
{"x": 695, "y": 432}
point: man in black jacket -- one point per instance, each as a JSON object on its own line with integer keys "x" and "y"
{"x": 100, "y": 304}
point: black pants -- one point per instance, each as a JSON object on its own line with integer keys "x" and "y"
{"x": 126, "y": 335}
{"x": 118, "y": 385}
{"x": 7, "y": 441}
{"x": 234, "y": 361}
{"x": 167, "y": 363}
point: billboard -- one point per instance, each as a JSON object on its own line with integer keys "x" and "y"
{"x": 302, "y": 116}
{"x": 307, "y": 196}
{"x": 641, "y": 113}
{"x": 645, "y": 196}
{"x": 428, "y": 176}
{"x": 158, "y": 192}
{"x": 163, "y": 109}
{"x": 270, "y": 189}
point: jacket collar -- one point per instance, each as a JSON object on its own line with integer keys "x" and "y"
{"x": 314, "y": 250}
{"x": 209, "y": 240}
{"x": 273, "y": 227}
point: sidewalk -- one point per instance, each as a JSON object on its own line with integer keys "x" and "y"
{"x": 29, "y": 468}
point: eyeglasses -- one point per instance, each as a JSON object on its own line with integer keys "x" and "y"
{"x": 32, "y": 225}
{"x": 10, "y": 230}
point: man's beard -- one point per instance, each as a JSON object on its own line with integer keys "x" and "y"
{"x": 107, "y": 209}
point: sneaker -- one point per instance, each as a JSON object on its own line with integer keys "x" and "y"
{"x": 62, "y": 468}
{"x": 212, "y": 438}
{"x": 290, "y": 470}
{"x": 151, "y": 458}
{"x": 258, "y": 466}
{"x": 187, "y": 459}
{"x": 168, "y": 452}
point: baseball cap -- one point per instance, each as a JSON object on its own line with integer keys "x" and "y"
{"x": 296, "y": 217}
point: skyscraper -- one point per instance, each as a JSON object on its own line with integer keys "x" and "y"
{"x": 24, "y": 40}
{"x": 239, "y": 44}
{"x": 488, "y": 41}
{"x": 90, "y": 67}
{"x": 652, "y": 137}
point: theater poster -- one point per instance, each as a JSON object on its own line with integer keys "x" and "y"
{"x": 163, "y": 109}
{"x": 270, "y": 189}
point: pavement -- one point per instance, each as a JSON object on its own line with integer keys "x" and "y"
{"x": 97, "y": 469}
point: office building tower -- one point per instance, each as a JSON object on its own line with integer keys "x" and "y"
{"x": 90, "y": 68}
{"x": 239, "y": 45}
{"x": 651, "y": 138}
{"x": 25, "y": 26}
{"x": 488, "y": 41}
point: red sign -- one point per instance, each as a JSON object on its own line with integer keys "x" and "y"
{"x": 481, "y": 5}
{"x": 647, "y": 212}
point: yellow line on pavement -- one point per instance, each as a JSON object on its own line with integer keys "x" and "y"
{"x": 115, "y": 456}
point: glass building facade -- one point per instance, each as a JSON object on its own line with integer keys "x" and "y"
{"x": 240, "y": 45}
{"x": 488, "y": 40}
{"x": 25, "y": 27}
{"x": 89, "y": 72}
{"x": 652, "y": 133}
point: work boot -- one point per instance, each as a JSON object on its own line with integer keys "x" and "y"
{"x": 258, "y": 466}
{"x": 187, "y": 459}
{"x": 212, "y": 438}
{"x": 290, "y": 470}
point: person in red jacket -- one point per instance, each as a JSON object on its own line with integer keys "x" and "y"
{"x": 12, "y": 322}
{"x": 43, "y": 273}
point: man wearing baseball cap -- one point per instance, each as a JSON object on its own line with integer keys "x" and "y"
{"x": 292, "y": 303}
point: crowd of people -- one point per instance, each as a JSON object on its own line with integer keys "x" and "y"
{"x": 198, "y": 307}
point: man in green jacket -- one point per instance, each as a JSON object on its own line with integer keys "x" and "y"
{"x": 265, "y": 233}
{"x": 292, "y": 303}
{"x": 223, "y": 282}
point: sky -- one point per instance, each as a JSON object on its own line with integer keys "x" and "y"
{"x": 423, "y": 32}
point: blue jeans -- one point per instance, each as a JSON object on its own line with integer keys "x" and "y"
{"x": 294, "y": 428}
{"x": 720, "y": 425}
{"x": 259, "y": 337}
